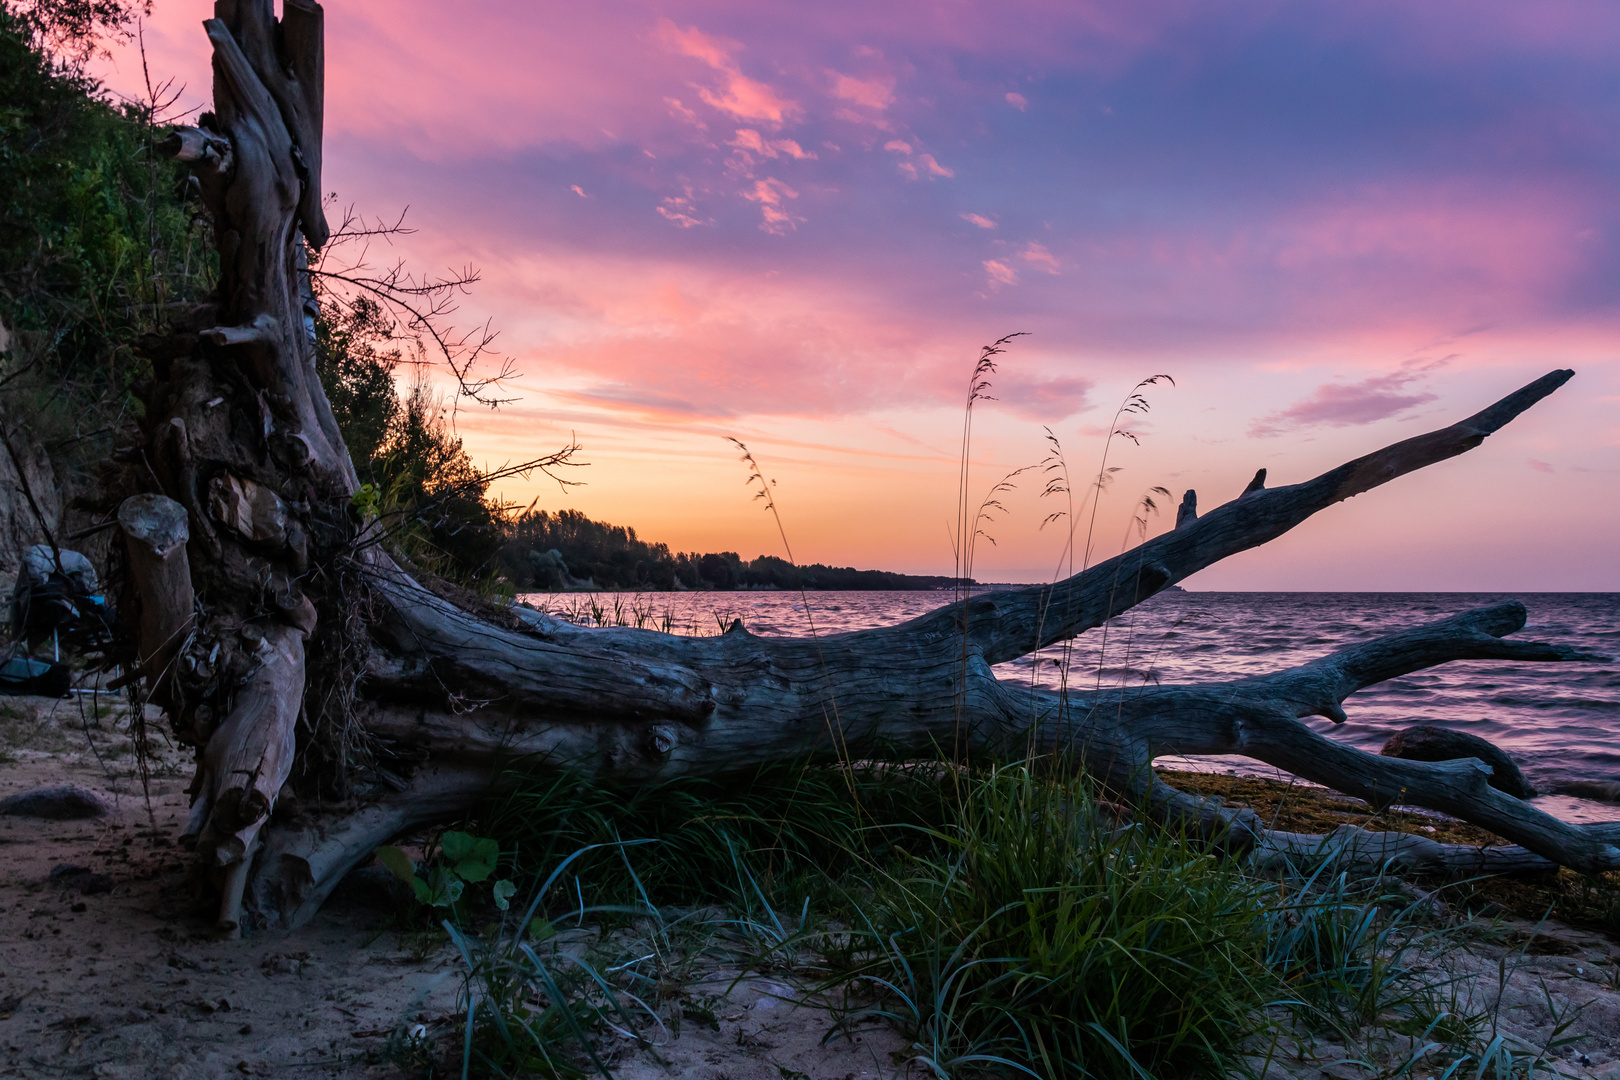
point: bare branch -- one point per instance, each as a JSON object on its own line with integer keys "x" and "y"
{"x": 418, "y": 306}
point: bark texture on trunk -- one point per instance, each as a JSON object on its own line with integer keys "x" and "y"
{"x": 257, "y": 482}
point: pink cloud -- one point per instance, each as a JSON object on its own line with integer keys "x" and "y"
{"x": 639, "y": 399}
{"x": 1037, "y": 256}
{"x": 683, "y": 112}
{"x": 749, "y": 139}
{"x": 978, "y": 219}
{"x": 698, "y": 45}
{"x": 1047, "y": 400}
{"x": 1017, "y": 101}
{"x": 741, "y": 96}
{"x": 772, "y": 195}
{"x": 1000, "y": 273}
{"x": 1376, "y": 398}
{"x": 747, "y": 99}
{"x": 925, "y": 165}
{"x": 876, "y": 94}
{"x": 1541, "y": 466}
{"x": 679, "y": 338}
{"x": 680, "y": 210}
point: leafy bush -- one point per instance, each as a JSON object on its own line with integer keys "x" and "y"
{"x": 98, "y": 233}
{"x": 461, "y": 860}
{"x": 532, "y": 1006}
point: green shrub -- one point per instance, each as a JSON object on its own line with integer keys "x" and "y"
{"x": 98, "y": 235}
{"x": 460, "y": 859}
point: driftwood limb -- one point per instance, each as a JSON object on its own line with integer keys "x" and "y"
{"x": 192, "y": 144}
{"x": 1429, "y": 742}
{"x": 1005, "y": 626}
{"x": 1260, "y": 718}
{"x": 244, "y": 765}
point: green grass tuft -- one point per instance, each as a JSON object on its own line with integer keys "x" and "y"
{"x": 1043, "y": 939}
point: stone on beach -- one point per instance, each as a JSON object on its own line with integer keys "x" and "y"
{"x": 58, "y": 802}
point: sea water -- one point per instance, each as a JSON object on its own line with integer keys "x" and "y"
{"x": 1560, "y": 721}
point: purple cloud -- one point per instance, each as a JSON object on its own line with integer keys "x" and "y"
{"x": 1046, "y": 400}
{"x": 1349, "y": 404}
{"x": 644, "y": 401}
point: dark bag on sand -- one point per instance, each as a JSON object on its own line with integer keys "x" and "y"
{"x": 23, "y": 675}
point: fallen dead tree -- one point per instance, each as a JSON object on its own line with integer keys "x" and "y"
{"x": 335, "y": 700}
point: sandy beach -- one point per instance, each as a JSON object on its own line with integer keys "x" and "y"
{"x": 108, "y": 970}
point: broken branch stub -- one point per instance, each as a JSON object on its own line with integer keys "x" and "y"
{"x": 155, "y": 530}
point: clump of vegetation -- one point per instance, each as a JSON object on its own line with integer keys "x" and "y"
{"x": 460, "y": 859}
{"x": 1041, "y": 938}
{"x": 100, "y": 236}
{"x": 103, "y": 240}
{"x": 995, "y": 916}
{"x": 786, "y": 830}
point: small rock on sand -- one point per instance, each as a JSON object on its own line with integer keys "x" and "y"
{"x": 59, "y": 802}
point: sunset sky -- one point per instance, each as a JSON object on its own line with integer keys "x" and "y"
{"x": 1335, "y": 226}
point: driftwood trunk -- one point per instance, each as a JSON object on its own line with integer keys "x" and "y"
{"x": 240, "y": 435}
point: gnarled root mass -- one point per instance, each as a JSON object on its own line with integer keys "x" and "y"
{"x": 246, "y": 556}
